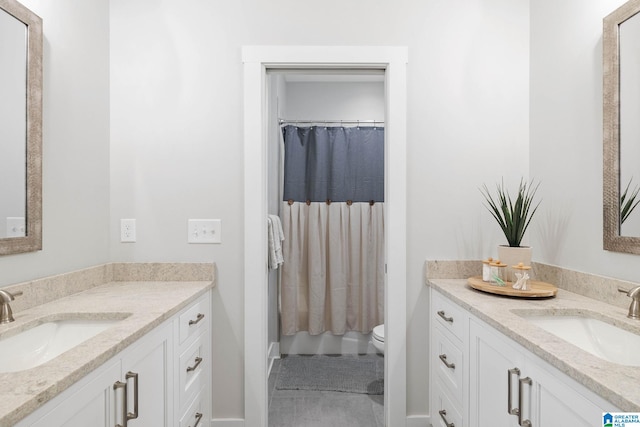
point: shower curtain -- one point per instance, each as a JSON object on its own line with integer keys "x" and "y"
{"x": 333, "y": 220}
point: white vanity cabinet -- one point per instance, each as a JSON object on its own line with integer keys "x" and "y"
{"x": 141, "y": 374}
{"x": 193, "y": 374}
{"x": 147, "y": 370}
{"x": 89, "y": 403}
{"x": 449, "y": 342}
{"x": 148, "y": 375}
{"x": 510, "y": 386}
{"x": 503, "y": 384}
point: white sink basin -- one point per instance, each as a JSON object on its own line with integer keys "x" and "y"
{"x": 599, "y": 338}
{"x": 37, "y": 345}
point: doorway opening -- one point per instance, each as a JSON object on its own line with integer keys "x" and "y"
{"x": 258, "y": 61}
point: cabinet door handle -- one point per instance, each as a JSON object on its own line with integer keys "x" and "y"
{"x": 133, "y": 415}
{"x": 446, "y": 319}
{"x": 527, "y": 381}
{"x": 120, "y": 385}
{"x": 199, "y": 317}
{"x": 510, "y": 409}
{"x": 198, "y": 360}
{"x": 443, "y": 357}
{"x": 443, "y": 415}
{"x": 198, "y": 419}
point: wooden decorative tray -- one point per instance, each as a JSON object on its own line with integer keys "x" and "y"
{"x": 537, "y": 289}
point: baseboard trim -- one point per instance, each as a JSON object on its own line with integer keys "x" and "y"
{"x": 412, "y": 421}
{"x": 418, "y": 421}
{"x": 274, "y": 353}
{"x": 227, "y": 422}
{"x": 274, "y": 350}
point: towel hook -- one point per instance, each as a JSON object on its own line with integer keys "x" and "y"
{"x": 290, "y": 202}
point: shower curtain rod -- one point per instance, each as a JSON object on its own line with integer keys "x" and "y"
{"x": 373, "y": 122}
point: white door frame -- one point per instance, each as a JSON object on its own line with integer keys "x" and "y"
{"x": 256, "y": 60}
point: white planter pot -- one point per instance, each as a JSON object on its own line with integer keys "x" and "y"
{"x": 512, "y": 256}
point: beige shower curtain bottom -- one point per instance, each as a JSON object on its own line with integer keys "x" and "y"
{"x": 333, "y": 272}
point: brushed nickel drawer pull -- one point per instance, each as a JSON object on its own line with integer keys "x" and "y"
{"x": 199, "y": 317}
{"x": 133, "y": 415}
{"x": 198, "y": 360}
{"x": 443, "y": 357}
{"x": 123, "y": 386}
{"x": 447, "y": 319}
{"x": 529, "y": 382}
{"x": 510, "y": 409}
{"x": 198, "y": 419}
{"x": 443, "y": 415}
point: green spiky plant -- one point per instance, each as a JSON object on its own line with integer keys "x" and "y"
{"x": 628, "y": 201}
{"x": 513, "y": 217}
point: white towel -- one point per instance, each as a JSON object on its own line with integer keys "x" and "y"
{"x": 276, "y": 236}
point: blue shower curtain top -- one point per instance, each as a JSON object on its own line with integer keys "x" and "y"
{"x": 333, "y": 163}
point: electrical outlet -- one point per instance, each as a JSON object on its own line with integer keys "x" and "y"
{"x": 128, "y": 230}
{"x": 16, "y": 226}
{"x": 204, "y": 231}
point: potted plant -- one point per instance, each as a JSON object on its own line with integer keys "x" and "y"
{"x": 513, "y": 217}
{"x": 628, "y": 202}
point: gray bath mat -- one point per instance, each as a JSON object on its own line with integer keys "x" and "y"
{"x": 346, "y": 373}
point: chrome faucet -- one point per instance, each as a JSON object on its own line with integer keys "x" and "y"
{"x": 634, "y": 308}
{"x": 6, "y": 315}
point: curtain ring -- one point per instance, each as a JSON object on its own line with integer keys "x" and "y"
{"x": 349, "y": 202}
{"x": 308, "y": 202}
{"x": 372, "y": 202}
{"x": 290, "y": 202}
{"x": 328, "y": 201}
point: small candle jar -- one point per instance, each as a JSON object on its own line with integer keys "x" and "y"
{"x": 486, "y": 269}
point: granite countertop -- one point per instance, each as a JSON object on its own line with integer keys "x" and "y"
{"x": 616, "y": 383}
{"x": 142, "y": 305}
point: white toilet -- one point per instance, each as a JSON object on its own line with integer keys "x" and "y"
{"x": 377, "y": 338}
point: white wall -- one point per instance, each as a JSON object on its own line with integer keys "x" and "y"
{"x": 566, "y": 136}
{"x": 355, "y": 100}
{"x": 75, "y": 221}
{"x": 177, "y": 133}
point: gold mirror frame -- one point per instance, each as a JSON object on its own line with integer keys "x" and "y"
{"x": 33, "y": 239}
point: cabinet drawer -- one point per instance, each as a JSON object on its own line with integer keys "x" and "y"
{"x": 448, "y": 363}
{"x": 195, "y": 415}
{"x": 446, "y": 413}
{"x": 452, "y": 317}
{"x": 194, "y": 320}
{"x": 193, "y": 364}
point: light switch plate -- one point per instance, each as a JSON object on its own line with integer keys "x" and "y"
{"x": 204, "y": 231}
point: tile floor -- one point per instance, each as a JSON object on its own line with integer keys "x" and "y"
{"x": 302, "y": 408}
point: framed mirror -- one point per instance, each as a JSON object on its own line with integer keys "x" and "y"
{"x": 20, "y": 129}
